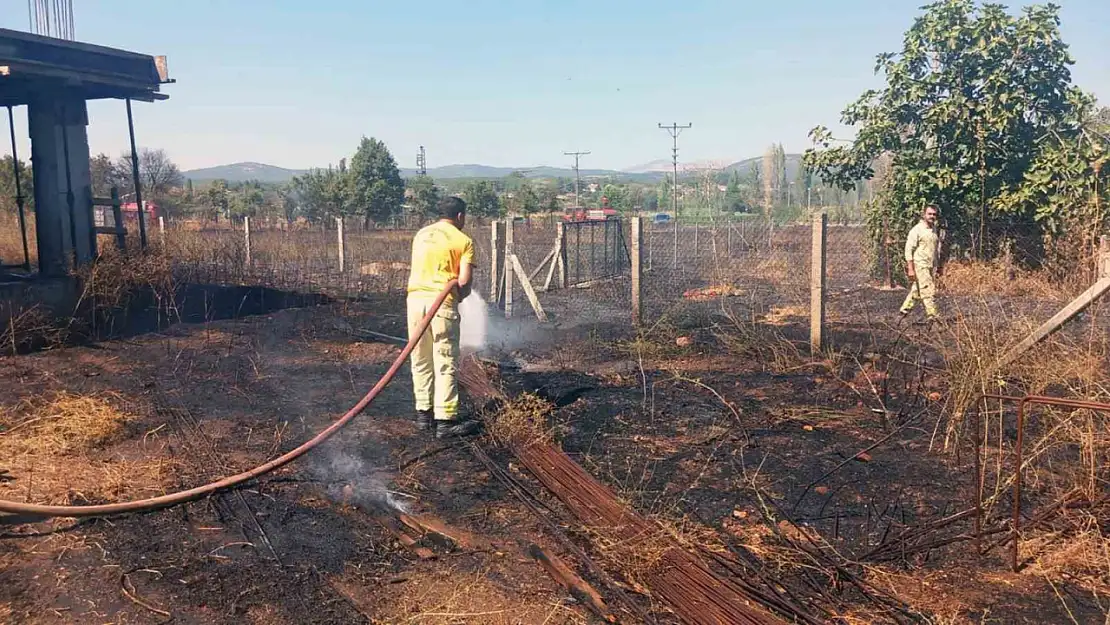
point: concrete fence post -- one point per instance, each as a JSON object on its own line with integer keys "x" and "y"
{"x": 509, "y": 267}
{"x": 247, "y": 236}
{"x": 341, "y": 236}
{"x": 637, "y": 270}
{"x": 561, "y": 244}
{"x": 496, "y": 262}
{"x": 162, "y": 228}
{"x": 817, "y": 284}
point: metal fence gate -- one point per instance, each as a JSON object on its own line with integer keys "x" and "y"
{"x": 595, "y": 250}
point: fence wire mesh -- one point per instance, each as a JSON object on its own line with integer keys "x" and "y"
{"x": 753, "y": 264}
{"x": 584, "y": 276}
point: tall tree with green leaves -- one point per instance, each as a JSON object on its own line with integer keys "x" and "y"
{"x": 246, "y": 200}
{"x": 978, "y": 116}
{"x": 523, "y": 200}
{"x": 376, "y": 184}
{"x": 217, "y": 199}
{"x": 481, "y": 199}
{"x": 423, "y": 196}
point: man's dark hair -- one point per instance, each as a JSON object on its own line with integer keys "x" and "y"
{"x": 451, "y": 207}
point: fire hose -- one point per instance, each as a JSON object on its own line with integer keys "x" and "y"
{"x": 231, "y": 481}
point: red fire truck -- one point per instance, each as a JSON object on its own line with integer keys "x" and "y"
{"x": 592, "y": 214}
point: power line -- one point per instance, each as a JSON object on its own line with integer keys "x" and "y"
{"x": 674, "y": 130}
{"x": 577, "y": 177}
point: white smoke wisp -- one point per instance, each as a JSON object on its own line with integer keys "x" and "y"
{"x": 351, "y": 481}
{"x": 474, "y": 323}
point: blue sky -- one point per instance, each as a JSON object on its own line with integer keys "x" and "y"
{"x": 295, "y": 83}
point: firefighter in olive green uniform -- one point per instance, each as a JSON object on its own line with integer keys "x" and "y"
{"x": 922, "y": 246}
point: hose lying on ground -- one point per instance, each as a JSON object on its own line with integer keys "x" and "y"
{"x": 172, "y": 499}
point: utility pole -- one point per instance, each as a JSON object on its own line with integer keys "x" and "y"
{"x": 674, "y": 130}
{"x": 421, "y": 162}
{"x": 577, "y": 177}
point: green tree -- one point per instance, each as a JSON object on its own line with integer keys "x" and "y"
{"x": 423, "y": 196}
{"x": 217, "y": 198}
{"x": 375, "y": 182}
{"x": 288, "y": 201}
{"x": 481, "y": 199}
{"x": 978, "y": 116}
{"x": 549, "y": 198}
{"x": 617, "y": 196}
{"x": 734, "y": 194}
{"x": 666, "y": 194}
{"x": 523, "y": 200}
{"x": 246, "y": 200}
{"x": 514, "y": 181}
{"x": 7, "y": 185}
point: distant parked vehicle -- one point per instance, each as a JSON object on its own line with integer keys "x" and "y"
{"x": 604, "y": 213}
{"x": 661, "y": 218}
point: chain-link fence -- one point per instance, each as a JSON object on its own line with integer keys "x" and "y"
{"x": 579, "y": 272}
{"x": 754, "y": 263}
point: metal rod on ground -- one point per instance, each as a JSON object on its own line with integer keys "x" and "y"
{"x": 19, "y": 192}
{"x": 817, "y": 284}
{"x": 135, "y": 176}
{"x": 388, "y": 337}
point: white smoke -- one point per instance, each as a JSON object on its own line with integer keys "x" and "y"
{"x": 352, "y": 481}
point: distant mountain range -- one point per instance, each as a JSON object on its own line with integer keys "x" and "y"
{"x": 242, "y": 172}
{"x": 648, "y": 172}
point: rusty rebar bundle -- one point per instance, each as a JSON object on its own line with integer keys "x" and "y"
{"x": 682, "y": 580}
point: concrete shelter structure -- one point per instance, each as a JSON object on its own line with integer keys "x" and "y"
{"x": 54, "y": 79}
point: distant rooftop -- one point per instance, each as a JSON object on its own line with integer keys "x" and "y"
{"x": 32, "y": 64}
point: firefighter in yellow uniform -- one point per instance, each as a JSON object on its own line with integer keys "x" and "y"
{"x": 440, "y": 253}
{"x": 922, "y": 245}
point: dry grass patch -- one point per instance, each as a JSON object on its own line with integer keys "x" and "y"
{"x": 54, "y": 449}
{"x": 521, "y": 422}
{"x": 997, "y": 278}
{"x": 63, "y": 425}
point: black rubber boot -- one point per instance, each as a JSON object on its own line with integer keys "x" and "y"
{"x": 456, "y": 429}
{"x": 424, "y": 419}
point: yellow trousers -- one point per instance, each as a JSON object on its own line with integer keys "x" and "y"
{"x": 435, "y": 358}
{"x": 924, "y": 289}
